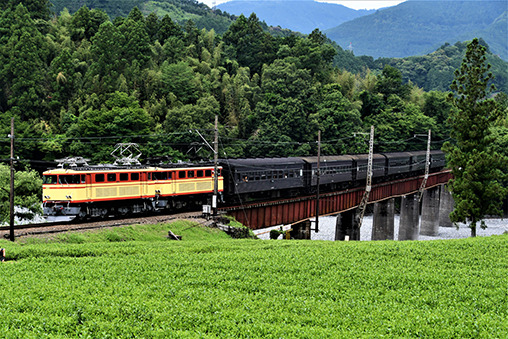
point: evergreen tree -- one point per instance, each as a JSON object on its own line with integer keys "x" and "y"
{"x": 476, "y": 185}
{"x": 152, "y": 26}
{"x": 108, "y": 63}
{"x": 85, "y": 23}
{"x": 136, "y": 15}
{"x": 390, "y": 83}
{"x": 136, "y": 44}
{"x": 168, "y": 29}
{"x": 24, "y": 69}
{"x": 38, "y": 9}
{"x": 250, "y": 45}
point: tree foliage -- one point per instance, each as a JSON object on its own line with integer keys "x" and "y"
{"x": 69, "y": 79}
{"x": 27, "y": 193}
{"x": 477, "y": 177}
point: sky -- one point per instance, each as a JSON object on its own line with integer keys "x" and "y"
{"x": 354, "y": 4}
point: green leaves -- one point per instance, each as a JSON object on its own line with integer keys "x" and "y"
{"x": 477, "y": 185}
{"x": 27, "y": 193}
{"x": 216, "y": 287}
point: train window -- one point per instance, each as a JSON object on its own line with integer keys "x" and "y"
{"x": 190, "y": 174}
{"x": 99, "y": 178}
{"x": 70, "y": 179}
{"x": 134, "y": 176}
{"x": 159, "y": 175}
{"x": 111, "y": 176}
{"x": 49, "y": 179}
{"x": 83, "y": 178}
{"x": 208, "y": 173}
{"x": 199, "y": 173}
{"x": 124, "y": 176}
{"x": 170, "y": 175}
{"x": 149, "y": 176}
{"x": 65, "y": 179}
{"x": 181, "y": 174}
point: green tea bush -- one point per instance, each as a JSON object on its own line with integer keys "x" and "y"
{"x": 249, "y": 288}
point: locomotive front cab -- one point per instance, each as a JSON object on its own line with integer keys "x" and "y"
{"x": 61, "y": 189}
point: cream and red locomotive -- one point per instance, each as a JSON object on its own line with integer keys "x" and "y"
{"x": 97, "y": 191}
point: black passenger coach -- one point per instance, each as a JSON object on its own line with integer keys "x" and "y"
{"x": 268, "y": 178}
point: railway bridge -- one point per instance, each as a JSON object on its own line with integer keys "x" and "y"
{"x": 297, "y": 212}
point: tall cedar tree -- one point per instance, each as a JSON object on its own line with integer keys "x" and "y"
{"x": 476, "y": 185}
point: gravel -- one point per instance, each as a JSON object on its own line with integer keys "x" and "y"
{"x": 327, "y": 230}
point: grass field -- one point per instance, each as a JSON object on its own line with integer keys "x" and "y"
{"x": 133, "y": 282}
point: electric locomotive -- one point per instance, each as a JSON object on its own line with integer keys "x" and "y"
{"x": 83, "y": 191}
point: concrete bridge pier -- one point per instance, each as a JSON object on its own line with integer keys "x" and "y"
{"x": 430, "y": 212}
{"x": 301, "y": 230}
{"x": 346, "y": 226}
{"x": 445, "y": 207}
{"x": 384, "y": 219}
{"x": 409, "y": 218}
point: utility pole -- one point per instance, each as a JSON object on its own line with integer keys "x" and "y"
{"x": 11, "y": 195}
{"x": 427, "y": 166}
{"x": 215, "y": 150}
{"x": 368, "y": 187}
{"x": 215, "y": 166}
{"x": 318, "y": 174}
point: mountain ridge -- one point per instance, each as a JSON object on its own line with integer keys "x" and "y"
{"x": 298, "y": 15}
{"x": 418, "y": 27}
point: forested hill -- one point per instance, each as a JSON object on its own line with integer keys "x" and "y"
{"x": 419, "y": 27}
{"x": 300, "y": 16}
{"x": 435, "y": 71}
{"x": 79, "y": 83}
{"x": 180, "y": 11}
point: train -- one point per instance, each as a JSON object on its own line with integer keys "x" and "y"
{"x": 82, "y": 191}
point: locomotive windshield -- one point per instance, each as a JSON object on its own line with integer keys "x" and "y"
{"x": 49, "y": 179}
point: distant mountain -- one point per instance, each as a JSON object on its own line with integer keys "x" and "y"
{"x": 435, "y": 71}
{"x": 417, "y": 27}
{"x": 297, "y": 15}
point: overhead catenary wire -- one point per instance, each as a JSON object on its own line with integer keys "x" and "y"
{"x": 224, "y": 145}
{"x": 238, "y": 140}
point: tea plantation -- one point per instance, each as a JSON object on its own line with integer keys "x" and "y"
{"x": 134, "y": 282}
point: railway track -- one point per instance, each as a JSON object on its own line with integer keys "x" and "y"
{"x": 59, "y": 227}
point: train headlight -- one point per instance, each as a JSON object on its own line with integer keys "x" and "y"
{"x": 68, "y": 196}
{"x": 46, "y": 197}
